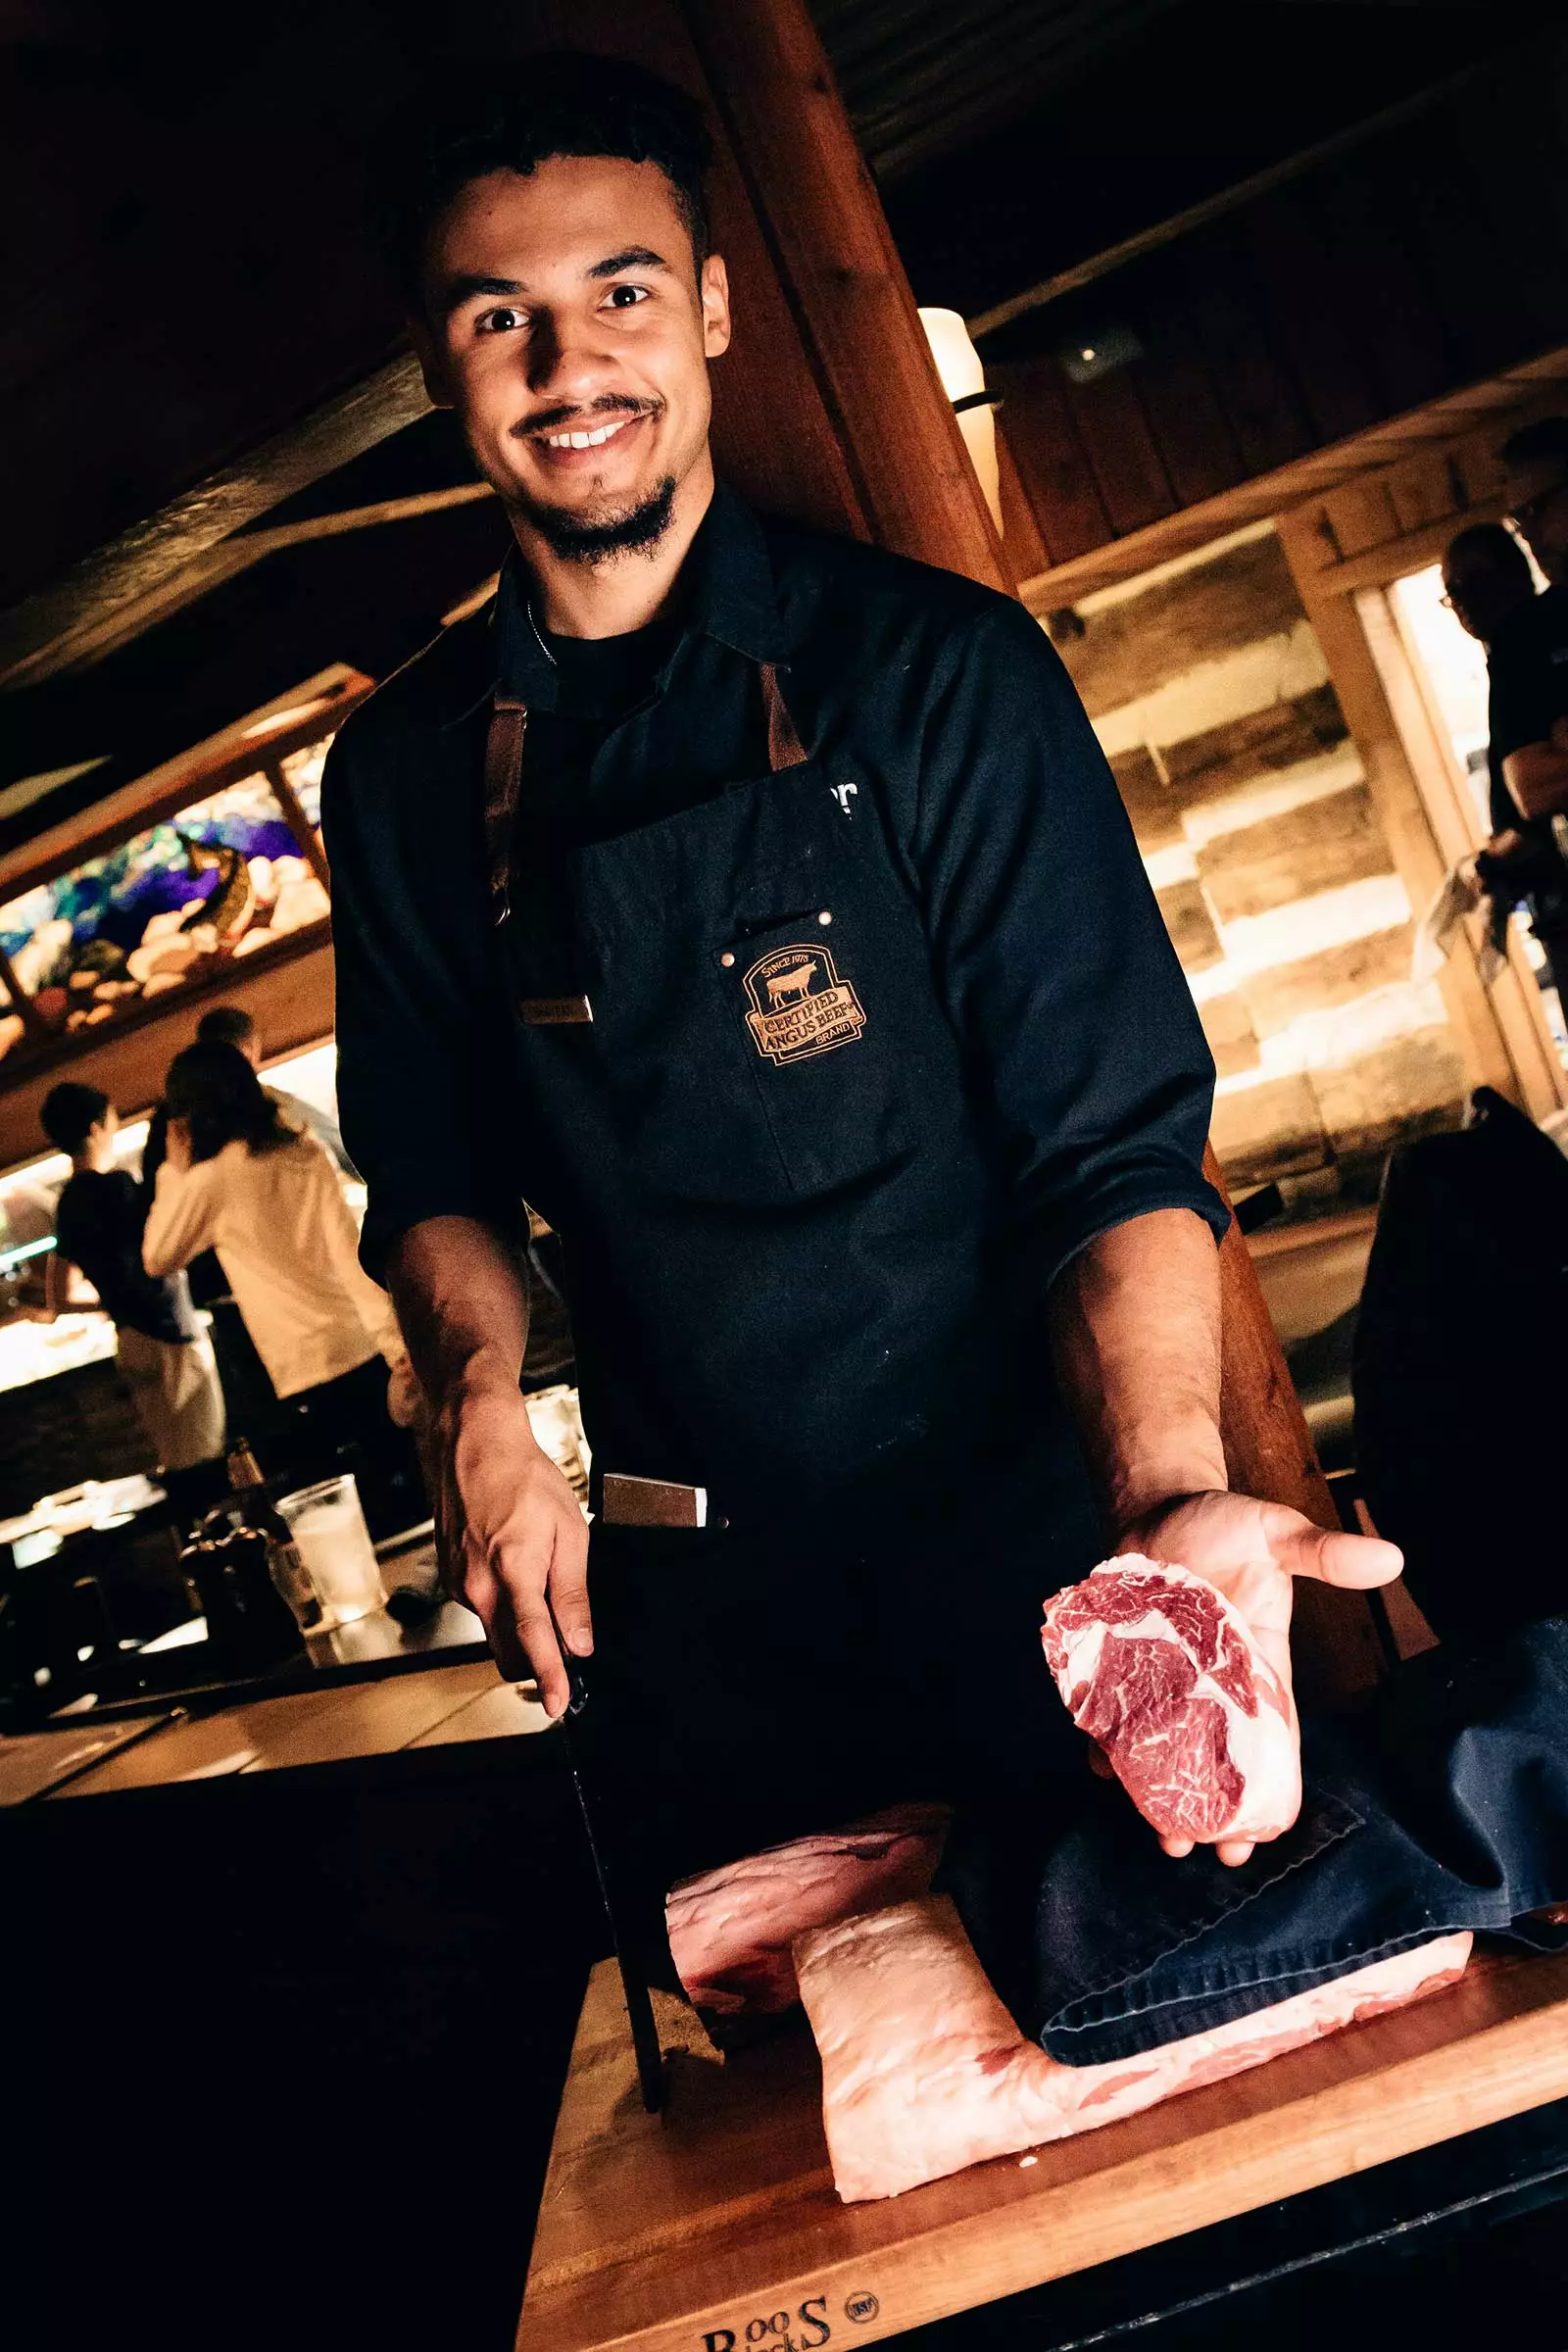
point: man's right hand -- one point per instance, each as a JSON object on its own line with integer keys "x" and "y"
{"x": 511, "y": 1539}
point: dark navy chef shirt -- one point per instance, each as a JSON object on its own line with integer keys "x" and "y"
{"x": 936, "y": 704}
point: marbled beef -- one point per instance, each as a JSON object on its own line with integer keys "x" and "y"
{"x": 1158, "y": 1668}
{"x": 730, "y": 1929}
{"x": 924, "y": 2072}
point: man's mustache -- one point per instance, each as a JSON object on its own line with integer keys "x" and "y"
{"x": 610, "y": 404}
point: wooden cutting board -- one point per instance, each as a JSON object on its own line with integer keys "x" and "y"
{"x": 715, "y": 2227}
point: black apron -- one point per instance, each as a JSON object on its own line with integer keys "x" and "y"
{"x": 748, "y": 1117}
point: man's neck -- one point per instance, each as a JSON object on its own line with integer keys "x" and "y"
{"x": 624, "y": 592}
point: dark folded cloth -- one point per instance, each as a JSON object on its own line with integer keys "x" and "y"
{"x": 1444, "y": 1806}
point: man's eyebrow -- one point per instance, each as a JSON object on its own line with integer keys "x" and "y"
{"x": 633, "y": 257}
{"x": 458, "y": 290}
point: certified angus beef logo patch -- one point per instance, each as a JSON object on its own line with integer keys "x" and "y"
{"x": 800, "y": 1006}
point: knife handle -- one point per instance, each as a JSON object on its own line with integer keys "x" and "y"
{"x": 577, "y": 1681}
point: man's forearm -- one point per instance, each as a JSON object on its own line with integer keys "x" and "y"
{"x": 1135, "y": 1333}
{"x": 459, "y": 1295}
{"x": 1537, "y": 777}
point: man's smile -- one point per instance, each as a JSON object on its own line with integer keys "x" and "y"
{"x": 572, "y": 443}
{"x": 582, "y": 440}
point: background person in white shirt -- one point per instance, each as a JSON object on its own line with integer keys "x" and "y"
{"x": 241, "y": 1180}
{"x": 233, "y": 1025}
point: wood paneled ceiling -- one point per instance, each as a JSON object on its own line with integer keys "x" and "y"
{"x": 195, "y": 345}
{"x": 921, "y": 78}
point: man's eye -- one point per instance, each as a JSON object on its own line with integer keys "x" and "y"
{"x": 626, "y": 298}
{"x": 501, "y": 321}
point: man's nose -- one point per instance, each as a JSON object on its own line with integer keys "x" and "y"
{"x": 566, "y": 358}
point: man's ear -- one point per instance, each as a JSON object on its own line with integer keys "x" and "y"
{"x": 432, "y": 362}
{"x": 714, "y": 285}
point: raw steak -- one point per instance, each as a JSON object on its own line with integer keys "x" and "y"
{"x": 1156, "y": 1666}
{"x": 731, "y": 1929}
{"x": 924, "y": 2072}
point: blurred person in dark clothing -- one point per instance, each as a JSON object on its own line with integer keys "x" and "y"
{"x": 1486, "y": 578}
{"x": 163, "y": 1353}
{"x": 1529, "y": 658}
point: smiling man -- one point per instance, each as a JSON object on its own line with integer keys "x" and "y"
{"x": 758, "y": 908}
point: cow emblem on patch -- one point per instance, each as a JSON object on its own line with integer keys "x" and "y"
{"x": 800, "y": 1006}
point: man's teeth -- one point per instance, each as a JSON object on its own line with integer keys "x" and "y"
{"x": 584, "y": 440}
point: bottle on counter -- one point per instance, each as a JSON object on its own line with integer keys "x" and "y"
{"x": 249, "y": 1628}
{"x": 259, "y": 1511}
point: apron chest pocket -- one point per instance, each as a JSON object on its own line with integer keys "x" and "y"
{"x": 776, "y": 1078}
{"x": 813, "y": 1028}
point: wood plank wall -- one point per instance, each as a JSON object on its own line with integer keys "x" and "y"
{"x": 1382, "y": 279}
{"x": 1273, "y": 868}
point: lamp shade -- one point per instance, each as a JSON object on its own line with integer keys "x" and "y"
{"x": 963, "y": 378}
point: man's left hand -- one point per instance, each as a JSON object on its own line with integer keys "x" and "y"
{"x": 1251, "y": 1551}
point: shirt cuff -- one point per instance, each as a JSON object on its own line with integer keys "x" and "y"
{"x": 1115, "y": 1203}
{"x": 387, "y": 1220}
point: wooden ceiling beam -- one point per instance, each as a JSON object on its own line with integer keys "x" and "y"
{"x": 1241, "y": 192}
{"x": 100, "y": 632}
{"x": 49, "y": 631}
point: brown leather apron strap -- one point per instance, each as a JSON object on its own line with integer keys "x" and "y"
{"x": 503, "y": 782}
{"x": 784, "y": 746}
{"x": 503, "y": 776}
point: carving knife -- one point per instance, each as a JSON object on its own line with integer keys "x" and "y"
{"x": 639, "y": 2001}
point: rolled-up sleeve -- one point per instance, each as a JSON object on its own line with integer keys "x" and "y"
{"x": 425, "y": 1080}
{"x": 1084, "y": 1047}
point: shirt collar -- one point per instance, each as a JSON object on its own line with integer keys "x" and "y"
{"x": 728, "y": 581}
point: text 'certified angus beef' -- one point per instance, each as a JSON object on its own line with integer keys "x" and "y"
{"x": 1155, "y": 1665}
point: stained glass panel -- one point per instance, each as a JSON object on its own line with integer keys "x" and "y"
{"x": 303, "y": 769}
{"x": 214, "y": 882}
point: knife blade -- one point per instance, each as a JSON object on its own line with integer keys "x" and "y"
{"x": 639, "y": 2001}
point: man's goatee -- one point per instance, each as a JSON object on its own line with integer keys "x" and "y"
{"x": 579, "y": 540}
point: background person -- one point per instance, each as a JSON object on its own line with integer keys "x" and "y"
{"x": 1529, "y": 661}
{"x": 162, "y": 1352}
{"x": 241, "y": 1180}
{"x": 1486, "y": 575}
{"x": 233, "y": 1025}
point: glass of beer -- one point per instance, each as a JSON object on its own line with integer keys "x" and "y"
{"x": 333, "y": 1541}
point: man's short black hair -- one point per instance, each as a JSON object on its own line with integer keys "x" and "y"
{"x": 226, "y": 1025}
{"x": 1544, "y": 443}
{"x": 70, "y": 1114}
{"x": 1485, "y": 546}
{"x": 562, "y": 103}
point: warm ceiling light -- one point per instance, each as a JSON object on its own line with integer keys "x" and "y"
{"x": 963, "y": 380}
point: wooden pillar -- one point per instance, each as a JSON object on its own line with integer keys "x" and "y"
{"x": 769, "y": 82}
{"x": 771, "y": 85}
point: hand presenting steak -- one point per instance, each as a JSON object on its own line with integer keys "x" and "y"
{"x": 1155, "y": 1665}
{"x": 1247, "y": 1553}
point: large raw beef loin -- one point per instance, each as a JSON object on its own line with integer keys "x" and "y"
{"x": 1155, "y": 1664}
{"x": 731, "y": 1929}
{"x": 924, "y": 2072}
